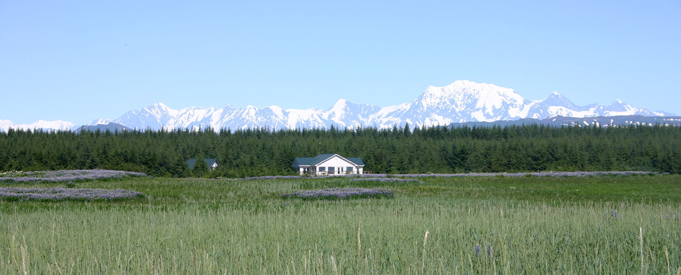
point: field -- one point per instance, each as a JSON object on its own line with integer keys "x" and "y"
{"x": 432, "y": 225}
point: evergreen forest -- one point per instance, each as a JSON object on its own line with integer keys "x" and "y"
{"x": 262, "y": 152}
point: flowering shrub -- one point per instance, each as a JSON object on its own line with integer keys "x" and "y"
{"x": 340, "y": 193}
{"x": 58, "y": 194}
{"x": 64, "y": 175}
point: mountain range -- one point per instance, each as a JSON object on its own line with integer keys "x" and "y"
{"x": 460, "y": 102}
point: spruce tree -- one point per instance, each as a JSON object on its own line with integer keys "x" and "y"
{"x": 200, "y": 168}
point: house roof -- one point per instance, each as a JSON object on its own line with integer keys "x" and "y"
{"x": 321, "y": 158}
{"x": 209, "y": 162}
{"x": 357, "y": 161}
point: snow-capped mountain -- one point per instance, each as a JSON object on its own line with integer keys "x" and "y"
{"x": 460, "y": 102}
{"x": 343, "y": 114}
{"x": 57, "y": 125}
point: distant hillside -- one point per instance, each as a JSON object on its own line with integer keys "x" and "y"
{"x": 576, "y": 121}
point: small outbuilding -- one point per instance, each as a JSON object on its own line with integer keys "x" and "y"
{"x": 212, "y": 163}
{"x": 328, "y": 165}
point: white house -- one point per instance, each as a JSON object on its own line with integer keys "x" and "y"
{"x": 329, "y": 164}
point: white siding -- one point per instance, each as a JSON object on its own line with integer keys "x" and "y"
{"x": 339, "y": 166}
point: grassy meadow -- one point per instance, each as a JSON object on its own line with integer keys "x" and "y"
{"x": 436, "y": 225}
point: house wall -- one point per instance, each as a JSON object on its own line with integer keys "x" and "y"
{"x": 339, "y": 165}
{"x": 303, "y": 170}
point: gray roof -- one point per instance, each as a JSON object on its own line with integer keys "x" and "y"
{"x": 320, "y": 158}
{"x": 209, "y": 162}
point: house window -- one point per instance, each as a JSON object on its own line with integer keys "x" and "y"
{"x": 322, "y": 169}
{"x": 349, "y": 169}
{"x": 331, "y": 170}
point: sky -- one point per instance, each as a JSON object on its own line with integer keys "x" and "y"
{"x": 80, "y": 61}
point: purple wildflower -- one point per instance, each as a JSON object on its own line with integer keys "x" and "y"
{"x": 340, "y": 193}
{"x": 477, "y": 250}
{"x": 538, "y": 174}
{"x": 56, "y": 194}
{"x": 397, "y": 177}
{"x": 66, "y": 175}
{"x": 272, "y": 177}
{"x": 385, "y": 179}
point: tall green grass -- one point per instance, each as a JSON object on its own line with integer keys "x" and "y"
{"x": 243, "y": 227}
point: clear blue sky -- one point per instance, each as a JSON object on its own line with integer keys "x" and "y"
{"x": 83, "y": 60}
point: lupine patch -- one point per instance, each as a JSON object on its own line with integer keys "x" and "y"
{"x": 536, "y": 174}
{"x": 272, "y": 177}
{"x": 340, "y": 193}
{"x": 385, "y": 179}
{"x": 58, "y": 194}
{"x": 307, "y": 177}
{"x": 65, "y": 175}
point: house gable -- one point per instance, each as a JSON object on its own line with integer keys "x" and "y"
{"x": 336, "y": 160}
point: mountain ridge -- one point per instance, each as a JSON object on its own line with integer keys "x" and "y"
{"x": 460, "y": 102}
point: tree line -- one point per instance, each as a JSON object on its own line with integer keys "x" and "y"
{"x": 258, "y": 152}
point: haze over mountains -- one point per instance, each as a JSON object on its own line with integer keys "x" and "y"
{"x": 460, "y": 102}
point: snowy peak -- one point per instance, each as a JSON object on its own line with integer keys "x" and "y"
{"x": 341, "y": 104}
{"x": 5, "y": 125}
{"x": 159, "y": 110}
{"x": 101, "y": 121}
{"x": 345, "y": 114}
{"x": 464, "y": 101}
{"x": 619, "y": 106}
{"x": 556, "y": 99}
{"x": 338, "y": 111}
{"x": 466, "y": 94}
